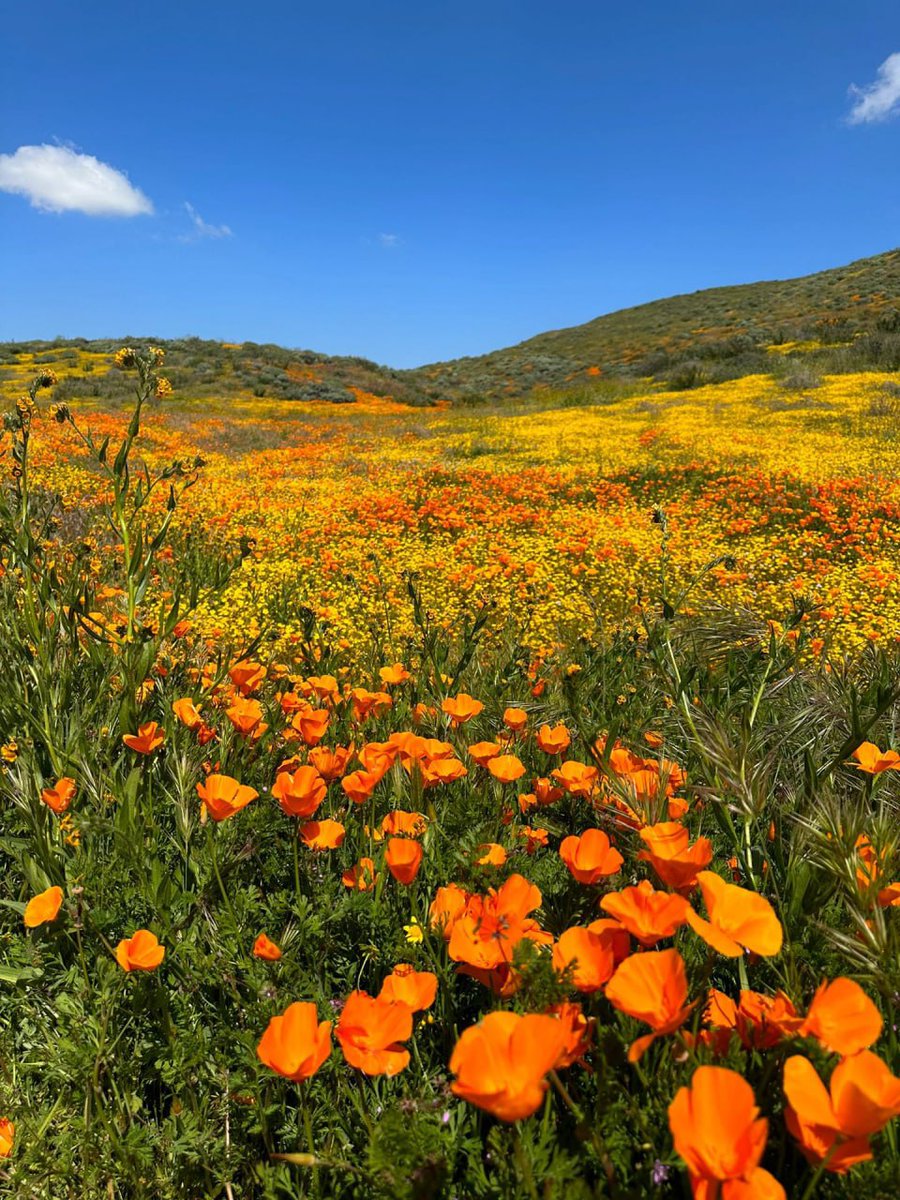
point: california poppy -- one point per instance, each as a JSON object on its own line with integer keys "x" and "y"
{"x": 500, "y": 1064}
{"x": 296, "y": 1043}
{"x": 416, "y": 989}
{"x": 647, "y": 914}
{"x": 842, "y": 1017}
{"x": 874, "y": 761}
{"x": 300, "y": 793}
{"x": 7, "y": 1137}
{"x": 579, "y": 1031}
{"x": 554, "y": 740}
{"x": 447, "y": 907}
{"x": 675, "y": 861}
{"x": 59, "y": 797}
{"x": 371, "y": 1031}
{"x": 361, "y": 876}
{"x": 461, "y": 708}
{"x": 311, "y": 724}
{"x": 331, "y": 764}
{"x": 403, "y": 857}
{"x": 651, "y": 987}
{"x": 575, "y": 778}
{"x": 247, "y": 676}
{"x": 246, "y": 715}
{"x": 224, "y": 796}
{"x": 322, "y": 835}
{"x": 401, "y": 823}
{"x": 43, "y": 907}
{"x": 187, "y": 713}
{"x": 590, "y": 857}
{"x": 265, "y": 948}
{"x": 515, "y": 719}
{"x": 719, "y": 1133}
{"x": 590, "y": 955}
{"x": 358, "y": 786}
{"x": 148, "y": 738}
{"x": 491, "y": 854}
{"x": 394, "y": 675}
{"x": 760, "y": 1021}
{"x": 483, "y": 752}
{"x": 506, "y": 768}
{"x": 140, "y": 952}
{"x": 737, "y": 918}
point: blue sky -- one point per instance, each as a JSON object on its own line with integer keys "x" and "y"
{"x": 418, "y": 181}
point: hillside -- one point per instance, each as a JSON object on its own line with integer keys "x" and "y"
{"x": 844, "y": 319}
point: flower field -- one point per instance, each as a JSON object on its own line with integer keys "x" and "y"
{"x": 450, "y": 802}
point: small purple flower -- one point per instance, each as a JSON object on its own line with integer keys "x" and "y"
{"x": 445, "y": 1117}
{"x": 660, "y": 1173}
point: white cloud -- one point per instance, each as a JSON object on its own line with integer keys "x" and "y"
{"x": 202, "y": 229}
{"x": 389, "y": 240}
{"x": 879, "y": 100}
{"x": 59, "y": 179}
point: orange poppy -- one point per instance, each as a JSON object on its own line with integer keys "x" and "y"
{"x": 590, "y": 857}
{"x": 579, "y": 1031}
{"x": 555, "y": 740}
{"x": 7, "y": 1137}
{"x": 515, "y": 719}
{"x": 647, "y": 914}
{"x": 324, "y": 686}
{"x": 148, "y": 738}
{"x": 322, "y": 835}
{"x": 403, "y": 857}
{"x": 43, "y": 907}
{"x": 834, "y": 1125}
{"x": 140, "y": 952}
{"x": 296, "y": 1043}
{"x": 461, "y": 708}
{"x": 300, "y": 793}
{"x": 589, "y": 953}
{"x": 500, "y": 1064}
{"x": 738, "y": 919}
{"x": 331, "y": 764}
{"x": 651, "y": 987}
{"x": 717, "y": 1130}
{"x": 483, "y": 752}
{"x": 246, "y": 716}
{"x": 311, "y": 724}
{"x": 358, "y": 786}
{"x": 575, "y": 778}
{"x": 370, "y": 1031}
{"x": 223, "y": 796}
{"x": 447, "y": 907}
{"x": 874, "y": 761}
{"x": 506, "y": 768}
{"x": 842, "y": 1017}
{"x": 534, "y": 838}
{"x": 674, "y": 860}
{"x": 486, "y": 933}
{"x": 760, "y": 1021}
{"x": 187, "y": 713}
{"x": 247, "y": 676}
{"x": 361, "y": 876}
{"x": 265, "y": 948}
{"x": 366, "y": 704}
{"x": 393, "y": 675}
{"x": 415, "y": 989}
{"x": 401, "y": 823}
{"x": 59, "y": 797}
{"x": 441, "y": 770}
{"x": 889, "y": 897}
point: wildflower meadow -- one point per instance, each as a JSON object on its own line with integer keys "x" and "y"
{"x": 455, "y": 801}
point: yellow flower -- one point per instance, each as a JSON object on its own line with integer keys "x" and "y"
{"x": 9, "y": 752}
{"x": 414, "y": 932}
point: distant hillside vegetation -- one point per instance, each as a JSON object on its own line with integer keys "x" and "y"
{"x": 844, "y": 319}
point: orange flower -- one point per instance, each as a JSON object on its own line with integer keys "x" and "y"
{"x": 297, "y": 1043}
{"x": 506, "y": 767}
{"x": 187, "y": 713}
{"x": 358, "y": 786}
{"x": 311, "y": 724}
{"x": 483, "y": 752}
{"x": 461, "y": 708}
{"x": 533, "y": 838}
{"x": 331, "y": 764}
{"x": 395, "y": 674}
{"x": 579, "y": 1031}
{"x": 486, "y": 933}
{"x": 675, "y": 861}
{"x": 447, "y": 907}
{"x": 590, "y": 857}
{"x": 148, "y": 738}
{"x": 247, "y": 676}
{"x": 501, "y": 1062}
{"x": 591, "y": 954}
{"x": 370, "y": 1032}
{"x": 515, "y": 719}
{"x": 842, "y": 1017}
{"x": 494, "y": 855}
{"x": 265, "y": 948}
{"x": 405, "y": 824}
{"x": 737, "y": 918}
{"x": 575, "y": 778}
{"x": 7, "y": 1137}
{"x": 224, "y": 796}
{"x": 647, "y": 914}
{"x": 873, "y": 761}
{"x": 441, "y": 770}
{"x": 43, "y": 907}
{"x": 60, "y": 796}
{"x": 140, "y": 952}
{"x": 415, "y": 989}
{"x": 403, "y": 857}
{"x": 719, "y": 1133}
{"x": 555, "y": 740}
{"x": 760, "y": 1021}
{"x": 834, "y": 1126}
{"x": 361, "y": 877}
{"x": 322, "y": 835}
{"x": 247, "y": 718}
{"x": 300, "y": 793}
{"x": 651, "y": 987}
